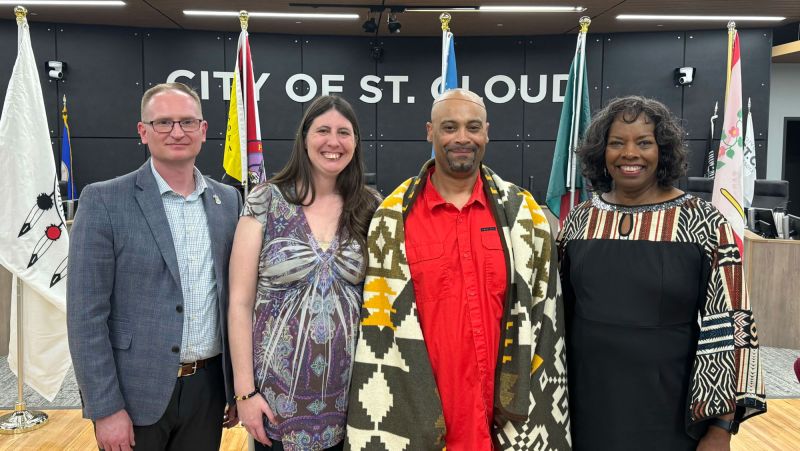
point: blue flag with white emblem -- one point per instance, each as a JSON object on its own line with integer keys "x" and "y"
{"x": 66, "y": 156}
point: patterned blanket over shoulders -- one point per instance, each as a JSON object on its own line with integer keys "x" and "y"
{"x": 394, "y": 404}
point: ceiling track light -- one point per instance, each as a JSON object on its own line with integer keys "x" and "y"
{"x": 392, "y": 23}
{"x": 370, "y": 25}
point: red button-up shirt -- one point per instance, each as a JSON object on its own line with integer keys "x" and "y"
{"x": 459, "y": 274}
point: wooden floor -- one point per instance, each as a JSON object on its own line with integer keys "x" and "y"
{"x": 776, "y": 430}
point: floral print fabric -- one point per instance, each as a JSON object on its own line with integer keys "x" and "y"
{"x": 305, "y": 323}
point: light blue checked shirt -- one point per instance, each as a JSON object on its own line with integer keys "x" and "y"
{"x": 189, "y": 227}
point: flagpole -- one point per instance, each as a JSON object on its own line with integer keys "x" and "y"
{"x": 445, "y": 19}
{"x": 731, "y": 32}
{"x": 21, "y": 419}
{"x": 713, "y": 156}
{"x": 244, "y": 16}
{"x": 584, "y": 22}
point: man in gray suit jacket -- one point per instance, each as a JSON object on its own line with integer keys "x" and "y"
{"x": 147, "y": 290}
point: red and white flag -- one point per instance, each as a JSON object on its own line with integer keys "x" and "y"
{"x": 33, "y": 234}
{"x": 728, "y": 194}
{"x": 243, "y": 159}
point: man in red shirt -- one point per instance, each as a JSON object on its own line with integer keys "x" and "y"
{"x": 462, "y": 333}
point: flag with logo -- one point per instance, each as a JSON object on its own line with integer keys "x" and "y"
{"x": 565, "y": 188}
{"x": 243, "y": 159}
{"x": 728, "y": 182}
{"x": 749, "y": 160}
{"x": 33, "y": 234}
{"x": 66, "y": 155}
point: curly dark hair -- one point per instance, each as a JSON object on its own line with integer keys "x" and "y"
{"x": 672, "y": 155}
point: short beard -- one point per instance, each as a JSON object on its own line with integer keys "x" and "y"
{"x": 461, "y": 165}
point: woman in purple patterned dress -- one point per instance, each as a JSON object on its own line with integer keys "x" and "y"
{"x": 296, "y": 274}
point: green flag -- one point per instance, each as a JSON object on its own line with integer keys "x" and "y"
{"x": 558, "y": 195}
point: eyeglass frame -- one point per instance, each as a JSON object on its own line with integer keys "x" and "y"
{"x": 199, "y": 123}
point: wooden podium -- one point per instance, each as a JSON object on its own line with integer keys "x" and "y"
{"x": 772, "y": 271}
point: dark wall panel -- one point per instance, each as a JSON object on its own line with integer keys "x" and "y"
{"x": 397, "y": 161}
{"x": 279, "y": 56}
{"x": 483, "y": 59}
{"x": 97, "y": 159}
{"x": 166, "y": 51}
{"x": 419, "y": 59}
{"x": 505, "y": 158}
{"x": 547, "y": 56}
{"x": 537, "y": 158}
{"x": 43, "y": 41}
{"x": 697, "y": 150}
{"x": 209, "y": 160}
{"x": 643, "y": 64}
{"x": 370, "y": 156}
{"x": 104, "y": 79}
{"x": 324, "y": 56}
{"x": 276, "y": 155}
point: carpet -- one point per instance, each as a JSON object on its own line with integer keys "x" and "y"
{"x": 67, "y": 398}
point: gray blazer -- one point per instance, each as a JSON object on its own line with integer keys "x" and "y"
{"x": 123, "y": 289}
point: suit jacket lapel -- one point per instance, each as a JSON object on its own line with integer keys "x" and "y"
{"x": 215, "y": 218}
{"x": 149, "y": 199}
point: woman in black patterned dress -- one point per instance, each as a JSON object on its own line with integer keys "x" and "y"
{"x": 661, "y": 342}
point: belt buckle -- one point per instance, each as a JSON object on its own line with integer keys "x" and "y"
{"x": 193, "y": 368}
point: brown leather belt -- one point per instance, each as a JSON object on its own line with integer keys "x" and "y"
{"x": 188, "y": 369}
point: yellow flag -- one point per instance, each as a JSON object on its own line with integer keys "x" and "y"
{"x": 232, "y": 159}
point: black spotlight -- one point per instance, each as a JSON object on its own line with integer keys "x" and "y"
{"x": 393, "y": 24}
{"x": 370, "y": 26}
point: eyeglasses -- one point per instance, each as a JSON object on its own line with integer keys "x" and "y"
{"x": 166, "y": 125}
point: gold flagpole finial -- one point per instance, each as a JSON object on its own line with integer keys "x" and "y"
{"x": 731, "y": 26}
{"x": 21, "y": 12}
{"x": 445, "y": 19}
{"x": 243, "y": 18}
{"x": 584, "y": 22}
{"x": 65, "y": 101}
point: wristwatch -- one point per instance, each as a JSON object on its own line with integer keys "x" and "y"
{"x": 731, "y": 426}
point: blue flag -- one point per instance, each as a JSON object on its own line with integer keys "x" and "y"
{"x": 66, "y": 156}
{"x": 449, "y": 69}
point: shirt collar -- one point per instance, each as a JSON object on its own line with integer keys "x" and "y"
{"x": 434, "y": 199}
{"x": 163, "y": 186}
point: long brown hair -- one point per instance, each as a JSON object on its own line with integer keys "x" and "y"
{"x": 296, "y": 181}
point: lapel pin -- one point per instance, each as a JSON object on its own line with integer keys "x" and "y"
{"x": 216, "y": 200}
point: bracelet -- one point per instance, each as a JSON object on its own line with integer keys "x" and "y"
{"x": 247, "y": 396}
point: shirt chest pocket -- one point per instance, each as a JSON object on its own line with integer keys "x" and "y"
{"x": 430, "y": 272}
{"x": 494, "y": 265}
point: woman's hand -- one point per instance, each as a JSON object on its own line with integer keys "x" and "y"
{"x": 251, "y": 414}
{"x": 716, "y": 439}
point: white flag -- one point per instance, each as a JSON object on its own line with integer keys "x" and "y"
{"x": 749, "y": 172}
{"x": 727, "y": 196}
{"x": 33, "y": 234}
